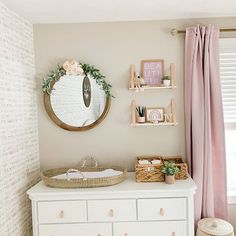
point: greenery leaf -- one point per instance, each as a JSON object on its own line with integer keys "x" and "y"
{"x": 88, "y": 70}
{"x": 169, "y": 168}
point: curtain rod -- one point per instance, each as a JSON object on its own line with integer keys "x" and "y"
{"x": 175, "y": 31}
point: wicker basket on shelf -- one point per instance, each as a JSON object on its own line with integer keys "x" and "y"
{"x": 149, "y": 172}
{"x": 152, "y": 172}
{"x": 183, "y": 167}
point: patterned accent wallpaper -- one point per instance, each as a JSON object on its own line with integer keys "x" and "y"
{"x": 19, "y": 158}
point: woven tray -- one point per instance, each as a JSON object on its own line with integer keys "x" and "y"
{"x": 82, "y": 183}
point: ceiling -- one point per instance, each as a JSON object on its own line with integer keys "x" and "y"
{"x": 73, "y": 11}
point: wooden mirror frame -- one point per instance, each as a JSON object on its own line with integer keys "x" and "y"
{"x": 57, "y": 121}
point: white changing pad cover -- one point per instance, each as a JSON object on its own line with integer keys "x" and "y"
{"x": 89, "y": 175}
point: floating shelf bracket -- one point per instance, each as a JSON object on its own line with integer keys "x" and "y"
{"x": 172, "y": 78}
{"x": 132, "y": 76}
{"x": 133, "y": 113}
{"x": 173, "y": 111}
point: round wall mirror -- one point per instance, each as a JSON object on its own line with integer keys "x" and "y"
{"x": 76, "y": 101}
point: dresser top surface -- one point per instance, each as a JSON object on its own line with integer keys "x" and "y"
{"x": 128, "y": 186}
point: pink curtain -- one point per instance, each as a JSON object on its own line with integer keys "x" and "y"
{"x": 205, "y": 142}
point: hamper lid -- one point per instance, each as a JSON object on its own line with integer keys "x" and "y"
{"x": 214, "y": 226}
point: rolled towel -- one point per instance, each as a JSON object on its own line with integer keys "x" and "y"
{"x": 144, "y": 162}
{"x": 156, "y": 162}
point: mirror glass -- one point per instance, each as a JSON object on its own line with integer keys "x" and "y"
{"x": 77, "y": 100}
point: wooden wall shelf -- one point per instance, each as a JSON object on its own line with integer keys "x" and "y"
{"x": 153, "y": 124}
{"x": 134, "y": 122}
{"x": 151, "y": 88}
{"x": 133, "y": 75}
{"x": 134, "y": 85}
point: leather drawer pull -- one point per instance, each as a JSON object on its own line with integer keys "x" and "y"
{"x": 61, "y": 214}
{"x": 162, "y": 213}
{"x": 111, "y": 213}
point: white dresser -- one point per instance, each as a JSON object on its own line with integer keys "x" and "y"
{"x": 126, "y": 209}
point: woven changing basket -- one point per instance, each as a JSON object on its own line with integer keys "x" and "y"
{"x": 152, "y": 172}
{"x": 214, "y": 227}
{"x": 80, "y": 182}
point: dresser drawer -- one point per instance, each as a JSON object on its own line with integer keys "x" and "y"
{"x": 111, "y": 210}
{"x": 165, "y": 228}
{"x": 62, "y": 212}
{"x": 162, "y": 209}
{"x": 101, "y": 229}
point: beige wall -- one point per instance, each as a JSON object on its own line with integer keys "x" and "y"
{"x": 112, "y": 47}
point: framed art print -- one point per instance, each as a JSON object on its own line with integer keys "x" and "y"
{"x": 155, "y": 114}
{"x": 152, "y": 72}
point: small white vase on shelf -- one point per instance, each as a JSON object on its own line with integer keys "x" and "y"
{"x": 166, "y": 83}
{"x": 141, "y": 119}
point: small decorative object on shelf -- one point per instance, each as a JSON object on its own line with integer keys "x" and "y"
{"x": 169, "y": 169}
{"x": 141, "y": 83}
{"x": 155, "y": 115}
{"x": 167, "y": 118}
{"x": 166, "y": 81}
{"x": 141, "y": 114}
{"x": 152, "y": 71}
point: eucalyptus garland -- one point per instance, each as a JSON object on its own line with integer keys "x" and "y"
{"x": 56, "y": 74}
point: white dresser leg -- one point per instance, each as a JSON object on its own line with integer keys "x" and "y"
{"x": 190, "y": 216}
{"x": 34, "y": 220}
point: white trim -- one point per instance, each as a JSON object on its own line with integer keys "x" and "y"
{"x": 227, "y": 54}
{"x": 227, "y": 43}
{"x": 230, "y": 126}
{"x": 231, "y": 197}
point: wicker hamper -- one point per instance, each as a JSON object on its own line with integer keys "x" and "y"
{"x": 214, "y": 227}
{"x": 152, "y": 172}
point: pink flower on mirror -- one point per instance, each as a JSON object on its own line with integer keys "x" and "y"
{"x": 72, "y": 68}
